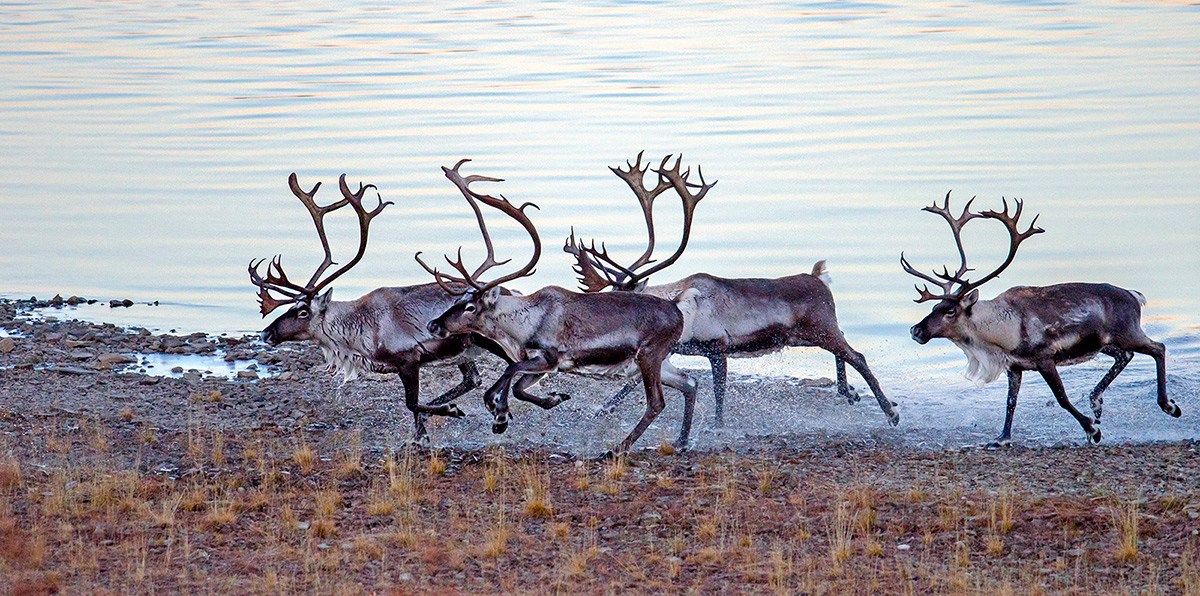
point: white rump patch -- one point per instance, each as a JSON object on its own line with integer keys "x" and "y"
{"x": 686, "y": 303}
{"x": 984, "y": 364}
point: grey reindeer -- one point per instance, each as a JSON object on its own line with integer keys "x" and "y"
{"x": 1034, "y": 328}
{"x": 555, "y": 329}
{"x": 384, "y": 331}
{"x": 734, "y": 317}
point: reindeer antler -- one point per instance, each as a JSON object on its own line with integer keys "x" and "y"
{"x": 617, "y": 275}
{"x": 277, "y": 281}
{"x": 946, "y": 280}
{"x": 469, "y": 282}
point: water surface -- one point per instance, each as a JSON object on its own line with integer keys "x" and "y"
{"x": 146, "y": 146}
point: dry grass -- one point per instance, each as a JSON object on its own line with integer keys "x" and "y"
{"x": 1124, "y": 516}
{"x": 10, "y": 473}
{"x": 693, "y": 522}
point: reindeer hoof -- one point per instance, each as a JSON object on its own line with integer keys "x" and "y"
{"x": 999, "y": 443}
{"x": 454, "y": 412}
{"x": 1174, "y": 412}
{"x": 893, "y": 419}
{"x": 1095, "y": 435}
{"x": 609, "y": 455}
{"x": 560, "y": 396}
{"x": 850, "y": 394}
{"x": 499, "y": 426}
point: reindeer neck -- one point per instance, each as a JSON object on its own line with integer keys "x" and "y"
{"x": 993, "y": 323}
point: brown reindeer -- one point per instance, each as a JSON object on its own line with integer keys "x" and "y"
{"x": 383, "y": 331}
{"x": 734, "y": 317}
{"x": 1034, "y": 328}
{"x": 555, "y": 329}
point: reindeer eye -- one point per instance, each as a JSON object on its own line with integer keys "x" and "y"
{"x": 302, "y": 313}
{"x": 470, "y": 307}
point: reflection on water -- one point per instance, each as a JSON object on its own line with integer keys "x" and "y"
{"x": 146, "y": 146}
{"x": 207, "y": 365}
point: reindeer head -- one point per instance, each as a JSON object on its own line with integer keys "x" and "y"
{"x": 597, "y": 270}
{"x": 954, "y": 309}
{"x": 479, "y": 298}
{"x": 301, "y": 320}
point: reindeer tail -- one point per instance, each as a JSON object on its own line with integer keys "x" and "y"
{"x": 686, "y": 303}
{"x": 1141, "y": 298}
{"x": 820, "y": 272}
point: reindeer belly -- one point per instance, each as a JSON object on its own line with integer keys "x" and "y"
{"x": 600, "y": 362}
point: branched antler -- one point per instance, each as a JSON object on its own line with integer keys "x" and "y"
{"x": 277, "y": 281}
{"x": 470, "y": 281}
{"x": 946, "y": 280}
{"x": 627, "y": 278}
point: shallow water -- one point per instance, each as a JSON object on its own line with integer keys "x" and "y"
{"x": 146, "y": 147}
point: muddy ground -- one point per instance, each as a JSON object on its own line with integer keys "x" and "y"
{"x": 114, "y": 480}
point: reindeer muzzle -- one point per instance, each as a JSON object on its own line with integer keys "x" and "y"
{"x": 919, "y": 334}
{"x": 437, "y": 330}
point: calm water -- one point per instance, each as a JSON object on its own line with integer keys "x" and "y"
{"x": 145, "y": 148}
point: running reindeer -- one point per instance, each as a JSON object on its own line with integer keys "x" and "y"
{"x": 555, "y": 329}
{"x": 1034, "y": 328}
{"x": 734, "y": 317}
{"x": 381, "y": 332}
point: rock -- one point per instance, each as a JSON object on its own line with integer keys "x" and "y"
{"x": 177, "y": 370}
{"x": 112, "y": 358}
{"x": 7, "y": 345}
{"x": 192, "y": 377}
{"x": 70, "y": 370}
{"x": 120, "y": 303}
{"x": 247, "y": 374}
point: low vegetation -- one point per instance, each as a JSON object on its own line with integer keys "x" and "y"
{"x": 261, "y": 512}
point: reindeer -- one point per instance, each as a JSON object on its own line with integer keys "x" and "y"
{"x": 734, "y": 317}
{"x": 555, "y": 329}
{"x": 382, "y": 332}
{"x": 1034, "y": 328}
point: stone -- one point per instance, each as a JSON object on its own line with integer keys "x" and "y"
{"x": 247, "y": 374}
{"x": 112, "y": 358}
{"x": 7, "y": 345}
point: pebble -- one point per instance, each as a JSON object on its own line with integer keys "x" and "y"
{"x": 7, "y": 344}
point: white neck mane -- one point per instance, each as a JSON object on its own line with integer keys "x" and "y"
{"x": 346, "y": 342}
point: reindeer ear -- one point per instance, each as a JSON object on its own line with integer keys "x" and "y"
{"x": 966, "y": 302}
{"x": 323, "y": 301}
{"x": 489, "y": 297}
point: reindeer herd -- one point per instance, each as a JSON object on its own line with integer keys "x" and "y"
{"x": 618, "y": 326}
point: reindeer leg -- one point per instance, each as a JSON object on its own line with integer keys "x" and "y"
{"x": 545, "y": 403}
{"x": 610, "y": 406}
{"x": 470, "y": 380}
{"x": 410, "y": 377}
{"x": 677, "y": 379}
{"x": 1014, "y": 387}
{"x": 836, "y": 343}
{"x": 720, "y": 372}
{"x": 544, "y": 362}
{"x": 1121, "y": 357}
{"x": 843, "y": 388}
{"x": 651, "y": 368}
{"x": 1050, "y": 374}
{"x": 1159, "y": 353}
